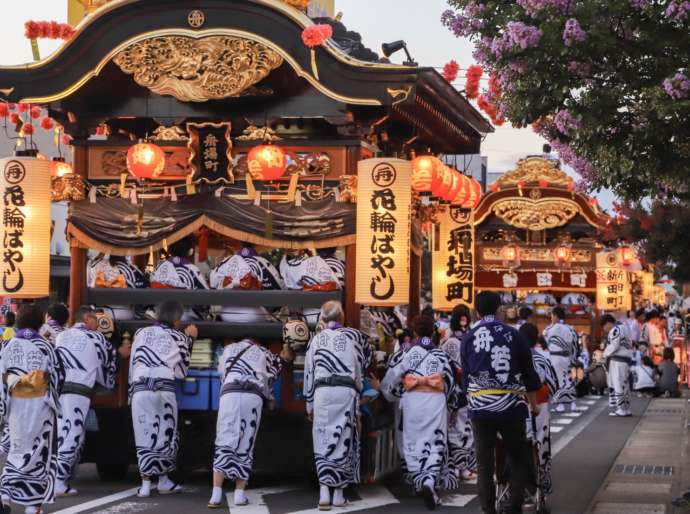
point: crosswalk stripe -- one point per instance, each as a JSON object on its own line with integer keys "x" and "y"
{"x": 573, "y": 414}
{"x": 555, "y": 430}
{"x": 563, "y": 421}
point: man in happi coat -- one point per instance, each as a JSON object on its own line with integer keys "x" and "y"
{"x": 460, "y": 438}
{"x": 500, "y": 381}
{"x": 56, "y": 319}
{"x": 334, "y": 367}
{"x": 160, "y": 354}
{"x": 618, "y": 354}
{"x": 542, "y": 422}
{"x": 247, "y": 372}
{"x": 87, "y": 358}
{"x": 563, "y": 345}
{"x": 424, "y": 376}
{"x": 31, "y": 381}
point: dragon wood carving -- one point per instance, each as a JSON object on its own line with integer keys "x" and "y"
{"x": 197, "y": 70}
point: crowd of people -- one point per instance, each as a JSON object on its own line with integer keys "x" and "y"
{"x": 454, "y": 395}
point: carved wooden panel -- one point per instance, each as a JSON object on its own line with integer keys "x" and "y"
{"x": 107, "y": 163}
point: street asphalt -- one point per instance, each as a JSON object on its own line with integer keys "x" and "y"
{"x": 585, "y": 446}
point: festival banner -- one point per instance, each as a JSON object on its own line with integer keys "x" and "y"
{"x": 384, "y": 196}
{"x": 26, "y": 223}
{"x": 452, "y": 259}
{"x": 613, "y": 285}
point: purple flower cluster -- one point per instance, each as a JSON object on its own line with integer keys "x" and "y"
{"x": 678, "y": 86}
{"x": 581, "y": 166}
{"x": 678, "y": 10}
{"x": 523, "y": 35}
{"x": 573, "y": 33}
{"x": 465, "y": 24}
{"x": 579, "y": 69}
{"x": 566, "y": 122}
{"x": 534, "y": 7}
{"x": 640, "y": 4}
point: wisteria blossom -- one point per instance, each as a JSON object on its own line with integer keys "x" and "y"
{"x": 640, "y": 4}
{"x": 523, "y": 35}
{"x": 677, "y": 86}
{"x": 579, "y": 69}
{"x": 534, "y": 7}
{"x": 573, "y": 33}
{"x": 678, "y": 10}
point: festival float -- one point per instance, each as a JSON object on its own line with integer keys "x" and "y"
{"x": 241, "y": 123}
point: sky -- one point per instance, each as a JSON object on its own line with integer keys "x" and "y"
{"x": 379, "y": 21}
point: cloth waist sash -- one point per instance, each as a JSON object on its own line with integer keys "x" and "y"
{"x": 626, "y": 360}
{"x": 32, "y": 385}
{"x": 153, "y": 384}
{"x": 429, "y": 384}
{"x": 241, "y": 387}
{"x": 560, "y": 354}
{"x": 336, "y": 381}
{"x": 488, "y": 392}
{"x": 75, "y": 388}
{"x": 543, "y": 394}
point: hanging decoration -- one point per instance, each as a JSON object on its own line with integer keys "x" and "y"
{"x": 383, "y": 232}
{"x": 455, "y": 187}
{"x": 452, "y": 259}
{"x": 474, "y": 75}
{"x": 313, "y": 36}
{"x": 266, "y": 162}
{"x": 562, "y": 255}
{"x": 510, "y": 255}
{"x": 443, "y": 183}
{"x": 464, "y": 191}
{"x": 613, "y": 286}
{"x": 450, "y": 71}
{"x": 25, "y": 181}
{"x": 59, "y": 168}
{"x": 475, "y": 195}
{"x": 425, "y": 170}
{"x": 627, "y": 256}
{"x": 34, "y": 30}
{"x": 145, "y": 160}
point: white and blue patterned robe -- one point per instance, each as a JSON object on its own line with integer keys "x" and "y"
{"x": 618, "y": 354}
{"x": 160, "y": 355}
{"x": 346, "y": 353}
{"x": 424, "y": 415}
{"x": 303, "y": 271}
{"x": 50, "y": 330}
{"x": 562, "y": 341}
{"x": 460, "y": 435}
{"x": 548, "y": 377}
{"x": 29, "y": 475}
{"x": 251, "y": 377}
{"x": 87, "y": 359}
{"x": 228, "y": 275}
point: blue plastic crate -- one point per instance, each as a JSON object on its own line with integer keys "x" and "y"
{"x": 215, "y": 390}
{"x": 194, "y": 392}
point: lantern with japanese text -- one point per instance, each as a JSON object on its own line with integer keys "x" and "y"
{"x": 145, "y": 160}
{"x": 266, "y": 162}
{"x": 443, "y": 183}
{"x": 464, "y": 192}
{"x": 424, "y": 173}
{"x": 384, "y": 197}
{"x": 455, "y": 187}
{"x": 25, "y": 182}
{"x": 613, "y": 286}
{"x": 562, "y": 254}
{"x": 510, "y": 255}
{"x": 475, "y": 195}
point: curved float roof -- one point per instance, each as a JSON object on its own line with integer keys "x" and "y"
{"x": 413, "y": 92}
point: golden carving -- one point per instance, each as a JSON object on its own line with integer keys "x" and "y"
{"x": 114, "y": 162}
{"x": 92, "y": 5}
{"x": 298, "y": 4}
{"x": 535, "y": 214}
{"x": 254, "y": 133}
{"x": 169, "y": 134}
{"x": 69, "y": 187}
{"x": 303, "y": 164}
{"x": 197, "y": 70}
{"x": 533, "y": 169}
{"x": 196, "y": 19}
{"x": 542, "y": 254}
{"x": 399, "y": 95}
{"x": 348, "y": 188}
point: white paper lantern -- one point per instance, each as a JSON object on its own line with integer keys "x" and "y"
{"x": 25, "y": 188}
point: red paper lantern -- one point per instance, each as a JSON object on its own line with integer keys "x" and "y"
{"x": 266, "y": 162}
{"x": 475, "y": 195}
{"x": 495, "y": 188}
{"x": 562, "y": 254}
{"x": 510, "y": 254}
{"x": 60, "y": 168}
{"x": 627, "y": 256}
{"x": 145, "y": 160}
{"x": 424, "y": 173}
{"x": 464, "y": 192}
{"x": 543, "y": 183}
{"x": 455, "y": 187}
{"x": 444, "y": 182}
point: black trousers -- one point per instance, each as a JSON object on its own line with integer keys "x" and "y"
{"x": 515, "y": 444}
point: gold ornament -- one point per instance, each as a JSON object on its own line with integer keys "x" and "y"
{"x": 531, "y": 170}
{"x": 298, "y": 4}
{"x": 68, "y": 187}
{"x": 535, "y": 214}
{"x": 254, "y": 133}
{"x": 197, "y": 70}
{"x": 169, "y": 134}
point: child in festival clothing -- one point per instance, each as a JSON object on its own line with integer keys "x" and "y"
{"x": 668, "y": 375}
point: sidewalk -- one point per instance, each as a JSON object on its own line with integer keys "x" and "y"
{"x": 653, "y": 468}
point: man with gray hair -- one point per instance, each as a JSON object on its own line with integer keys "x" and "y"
{"x": 333, "y": 373}
{"x": 160, "y": 354}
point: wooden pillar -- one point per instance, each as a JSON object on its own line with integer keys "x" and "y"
{"x": 415, "y": 285}
{"x": 77, "y": 264}
{"x": 351, "y": 307}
